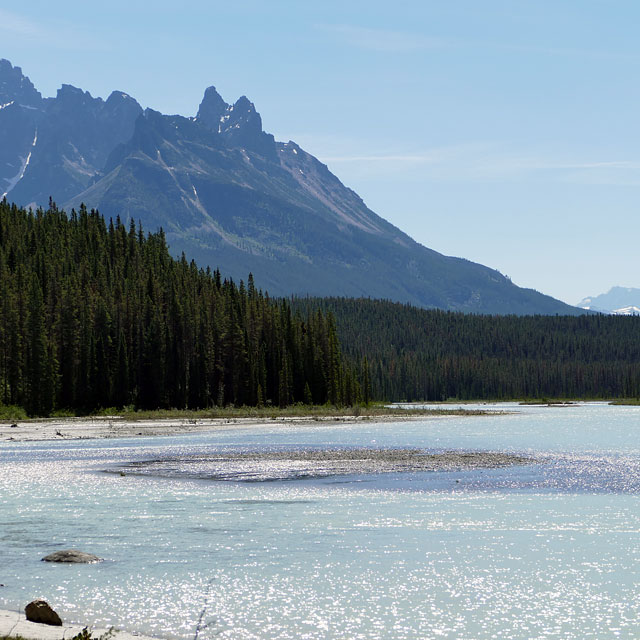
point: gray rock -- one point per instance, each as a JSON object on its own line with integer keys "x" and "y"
{"x": 71, "y": 555}
{"x": 40, "y": 611}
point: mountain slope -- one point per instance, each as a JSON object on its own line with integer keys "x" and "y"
{"x": 229, "y": 195}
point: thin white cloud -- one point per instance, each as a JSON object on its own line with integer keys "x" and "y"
{"x": 385, "y": 159}
{"x": 485, "y": 162}
{"x": 595, "y": 54}
{"x": 67, "y": 36}
{"x": 383, "y": 39}
{"x": 475, "y": 161}
{"x": 13, "y": 23}
{"x": 610, "y": 164}
{"x": 394, "y": 41}
{"x": 560, "y": 169}
{"x": 438, "y": 163}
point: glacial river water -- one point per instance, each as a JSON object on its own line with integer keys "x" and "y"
{"x": 547, "y": 550}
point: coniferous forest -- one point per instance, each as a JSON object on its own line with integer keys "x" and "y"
{"x": 96, "y": 314}
{"x": 417, "y": 354}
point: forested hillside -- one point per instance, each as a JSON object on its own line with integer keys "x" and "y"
{"x": 96, "y": 314}
{"x": 416, "y": 354}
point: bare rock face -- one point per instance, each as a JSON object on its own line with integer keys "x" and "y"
{"x": 40, "y": 611}
{"x": 71, "y": 555}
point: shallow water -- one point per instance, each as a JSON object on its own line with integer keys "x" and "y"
{"x": 550, "y": 550}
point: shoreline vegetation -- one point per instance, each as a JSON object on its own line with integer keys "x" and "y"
{"x": 114, "y": 422}
{"x": 13, "y": 413}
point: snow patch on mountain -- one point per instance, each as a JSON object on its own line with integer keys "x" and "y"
{"x": 12, "y": 182}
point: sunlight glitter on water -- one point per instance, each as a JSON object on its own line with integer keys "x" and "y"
{"x": 502, "y": 554}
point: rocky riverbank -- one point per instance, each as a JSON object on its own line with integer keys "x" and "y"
{"x": 118, "y": 427}
{"x": 14, "y": 624}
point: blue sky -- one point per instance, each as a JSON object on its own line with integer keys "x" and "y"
{"x": 505, "y": 132}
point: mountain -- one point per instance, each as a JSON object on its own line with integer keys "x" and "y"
{"x": 228, "y": 194}
{"x": 56, "y": 146}
{"x": 623, "y": 301}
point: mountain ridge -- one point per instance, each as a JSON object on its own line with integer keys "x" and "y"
{"x": 228, "y": 194}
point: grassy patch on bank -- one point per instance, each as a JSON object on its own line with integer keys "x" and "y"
{"x": 626, "y": 401}
{"x": 11, "y": 413}
{"x": 294, "y": 411}
{"x": 547, "y": 402}
{"x": 319, "y": 412}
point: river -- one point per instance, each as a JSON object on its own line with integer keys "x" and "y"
{"x": 544, "y": 550}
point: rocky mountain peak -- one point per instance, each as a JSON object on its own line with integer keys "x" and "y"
{"x": 244, "y": 104}
{"x": 120, "y": 97}
{"x": 120, "y": 106}
{"x": 212, "y": 109}
{"x": 16, "y": 87}
{"x": 243, "y": 114}
{"x": 68, "y": 94}
{"x": 241, "y": 126}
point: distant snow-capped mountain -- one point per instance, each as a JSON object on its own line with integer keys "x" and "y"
{"x": 627, "y": 311}
{"x": 621, "y": 301}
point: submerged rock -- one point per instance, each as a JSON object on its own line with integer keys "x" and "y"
{"x": 40, "y": 611}
{"x": 71, "y": 555}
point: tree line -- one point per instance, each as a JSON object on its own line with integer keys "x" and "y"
{"x": 417, "y": 354}
{"x": 97, "y": 314}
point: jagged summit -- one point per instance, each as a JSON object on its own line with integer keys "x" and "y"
{"x": 212, "y": 109}
{"x": 242, "y": 115}
{"x": 57, "y": 149}
{"x": 239, "y": 124}
{"x": 230, "y": 196}
{"x": 69, "y": 92}
{"x": 16, "y": 87}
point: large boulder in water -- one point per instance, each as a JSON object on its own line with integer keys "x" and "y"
{"x": 40, "y": 611}
{"x": 71, "y": 555}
